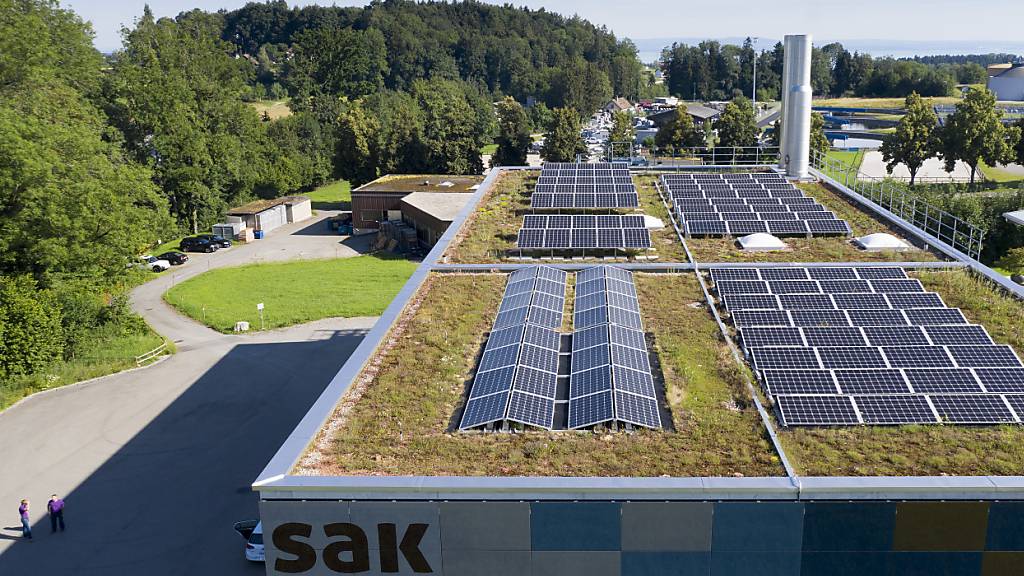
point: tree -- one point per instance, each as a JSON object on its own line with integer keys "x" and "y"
{"x": 622, "y": 128}
{"x": 357, "y": 158}
{"x": 452, "y": 137}
{"x": 30, "y": 327}
{"x": 819, "y": 142}
{"x": 1019, "y": 149}
{"x": 913, "y": 142}
{"x": 974, "y": 133}
{"x": 562, "y": 141}
{"x": 679, "y": 132}
{"x": 1013, "y": 261}
{"x": 513, "y": 134}
{"x": 736, "y": 126}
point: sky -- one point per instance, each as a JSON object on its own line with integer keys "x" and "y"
{"x": 927, "y": 26}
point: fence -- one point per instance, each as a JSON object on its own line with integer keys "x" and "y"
{"x": 151, "y": 355}
{"x": 937, "y": 223}
{"x": 715, "y": 156}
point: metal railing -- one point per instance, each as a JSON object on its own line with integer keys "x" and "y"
{"x": 713, "y": 156}
{"x": 935, "y": 222}
{"x": 151, "y": 355}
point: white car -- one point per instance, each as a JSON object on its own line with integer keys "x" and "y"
{"x": 252, "y": 531}
{"x": 156, "y": 264}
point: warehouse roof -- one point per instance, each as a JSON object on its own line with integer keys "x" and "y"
{"x": 441, "y": 205}
{"x": 407, "y": 183}
{"x": 257, "y": 206}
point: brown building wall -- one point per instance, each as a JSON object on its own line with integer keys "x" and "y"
{"x": 428, "y": 228}
{"x": 369, "y": 209}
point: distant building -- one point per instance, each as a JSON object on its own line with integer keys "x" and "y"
{"x": 1006, "y": 81}
{"x": 265, "y": 215}
{"x": 618, "y": 105}
{"x": 699, "y": 113}
{"x": 381, "y": 200}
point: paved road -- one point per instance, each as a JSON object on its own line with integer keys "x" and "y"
{"x": 156, "y": 464}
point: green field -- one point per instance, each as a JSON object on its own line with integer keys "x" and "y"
{"x": 489, "y": 149}
{"x": 292, "y": 292}
{"x": 275, "y": 109}
{"x": 109, "y": 349}
{"x": 336, "y": 195}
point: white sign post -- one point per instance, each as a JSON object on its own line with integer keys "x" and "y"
{"x": 260, "y": 308}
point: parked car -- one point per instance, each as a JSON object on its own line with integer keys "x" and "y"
{"x": 252, "y": 532}
{"x": 156, "y": 264}
{"x": 196, "y": 244}
{"x": 220, "y": 241}
{"x": 174, "y": 257}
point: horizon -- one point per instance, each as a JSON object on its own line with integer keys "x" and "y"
{"x": 987, "y": 36}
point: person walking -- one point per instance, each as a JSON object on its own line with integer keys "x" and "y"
{"x": 56, "y": 509}
{"x": 26, "y": 530}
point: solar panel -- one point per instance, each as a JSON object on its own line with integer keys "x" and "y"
{"x": 786, "y": 227}
{"x": 798, "y": 382}
{"x": 538, "y": 382}
{"x": 638, "y": 410}
{"x": 816, "y": 410}
{"x": 832, "y": 273}
{"x": 706, "y": 227}
{"x": 530, "y": 238}
{"x": 861, "y": 301}
{"x": 895, "y": 336}
{"x": 895, "y": 410}
{"x": 636, "y": 238}
{"x": 744, "y": 227}
{"x": 833, "y": 336}
{"x": 484, "y": 410}
{"x": 851, "y": 357}
{"x": 823, "y": 318}
{"x": 844, "y": 286}
{"x": 806, "y": 302}
{"x": 487, "y": 383}
{"x": 877, "y": 318}
{"x": 1002, "y": 380}
{"x": 915, "y": 300}
{"x": 881, "y": 381}
{"x": 741, "y": 287}
{"x": 734, "y": 274}
{"x": 917, "y": 356}
{"x": 743, "y": 318}
{"x": 750, "y": 302}
{"x": 942, "y": 381}
{"x": 962, "y": 335}
{"x": 532, "y": 410}
{"x": 783, "y": 274}
{"x": 590, "y": 410}
{"x": 935, "y": 316}
{"x": 984, "y": 356}
{"x": 897, "y": 285}
{"x": 783, "y": 358}
{"x": 881, "y": 273}
{"x": 770, "y": 336}
{"x": 972, "y": 409}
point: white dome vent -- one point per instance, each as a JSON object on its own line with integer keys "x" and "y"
{"x": 880, "y": 241}
{"x": 761, "y": 242}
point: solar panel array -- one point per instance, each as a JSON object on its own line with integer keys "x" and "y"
{"x": 565, "y": 185}
{"x": 611, "y": 373}
{"x": 582, "y": 232}
{"x": 846, "y": 346}
{"x": 517, "y": 377}
{"x": 610, "y": 380}
{"x": 748, "y": 203}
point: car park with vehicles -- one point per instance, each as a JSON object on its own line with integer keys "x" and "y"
{"x": 197, "y": 244}
{"x": 219, "y": 241}
{"x": 174, "y": 257}
{"x": 155, "y": 264}
{"x": 252, "y": 532}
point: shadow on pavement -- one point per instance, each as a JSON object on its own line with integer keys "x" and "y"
{"x": 164, "y": 504}
{"x": 317, "y": 228}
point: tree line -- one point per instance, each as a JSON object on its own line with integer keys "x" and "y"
{"x": 714, "y": 71}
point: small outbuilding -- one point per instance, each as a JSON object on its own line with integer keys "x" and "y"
{"x": 266, "y": 215}
{"x": 1007, "y": 83}
{"x": 430, "y": 213}
{"x": 381, "y": 200}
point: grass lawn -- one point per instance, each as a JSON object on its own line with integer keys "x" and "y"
{"x": 396, "y": 420}
{"x": 877, "y": 102}
{"x": 276, "y": 109}
{"x": 1002, "y": 175}
{"x": 171, "y": 245}
{"x": 108, "y": 350}
{"x": 489, "y": 149}
{"x": 292, "y": 292}
{"x": 926, "y": 449}
{"x": 335, "y": 195}
{"x": 823, "y": 249}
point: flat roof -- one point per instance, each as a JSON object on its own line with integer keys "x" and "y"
{"x": 257, "y": 206}
{"x": 407, "y": 183}
{"x": 444, "y": 206}
{"x": 365, "y": 436}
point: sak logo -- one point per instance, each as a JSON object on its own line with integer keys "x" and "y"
{"x": 350, "y": 552}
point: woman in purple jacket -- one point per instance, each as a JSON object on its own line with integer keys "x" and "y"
{"x": 26, "y": 530}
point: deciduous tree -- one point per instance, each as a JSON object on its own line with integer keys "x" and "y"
{"x": 562, "y": 141}
{"x": 975, "y": 133}
{"x": 513, "y": 134}
{"x": 914, "y": 141}
{"x": 736, "y": 126}
{"x": 680, "y": 132}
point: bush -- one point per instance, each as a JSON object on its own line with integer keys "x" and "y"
{"x": 31, "y": 336}
{"x": 1013, "y": 261}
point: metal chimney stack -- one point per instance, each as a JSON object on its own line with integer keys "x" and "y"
{"x": 795, "y": 140}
